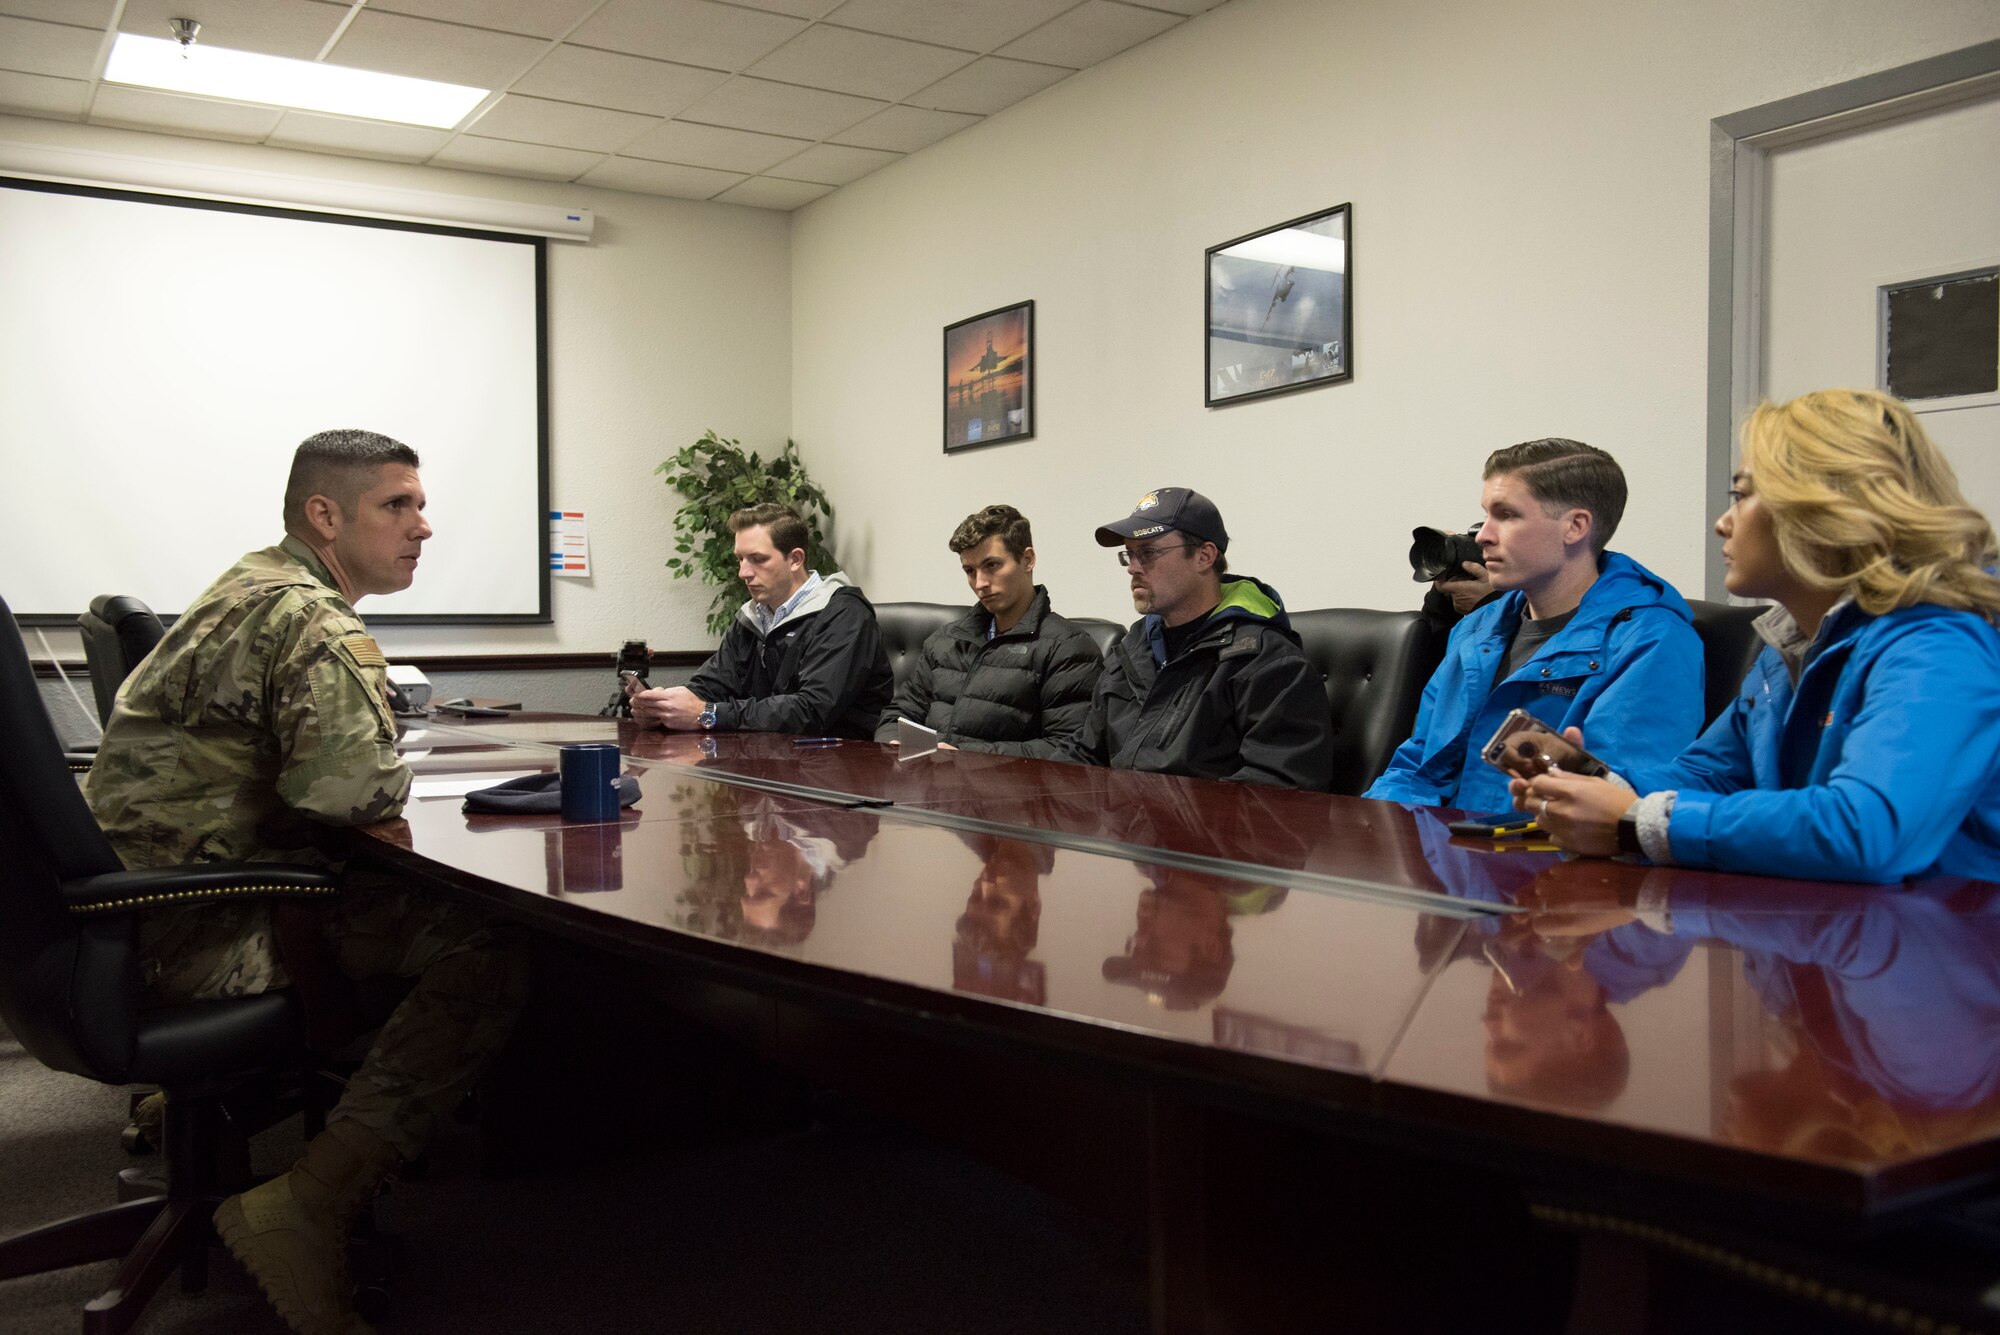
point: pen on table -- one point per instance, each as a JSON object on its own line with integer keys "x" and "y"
{"x": 815, "y": 741}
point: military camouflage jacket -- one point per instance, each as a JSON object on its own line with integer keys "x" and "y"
{"x": 264, "y": 708}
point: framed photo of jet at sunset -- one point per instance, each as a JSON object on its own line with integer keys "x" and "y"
{"x": 989, "y": 378}
{"x": 1281, "y": 308}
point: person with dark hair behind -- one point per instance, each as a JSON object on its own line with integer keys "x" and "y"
{"x": 1010, "y": 676}
{"x": 1580, "y": 633}
{"x": 803, "y": 656}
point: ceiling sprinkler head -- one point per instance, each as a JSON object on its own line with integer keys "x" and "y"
{"x": 185, "y": 31}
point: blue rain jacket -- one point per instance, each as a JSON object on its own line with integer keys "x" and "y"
{"x": 1627, "y": 670}
{"x": 1882, "y": 763}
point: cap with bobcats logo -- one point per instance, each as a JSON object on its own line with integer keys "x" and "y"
{"x": 1168, "y": 508}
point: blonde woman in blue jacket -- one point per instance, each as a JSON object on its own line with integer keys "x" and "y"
{"x": 1865, "y": 743}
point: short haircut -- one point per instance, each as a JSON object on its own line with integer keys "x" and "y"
{"x": 788, "y": 531}
{"x": 995, "y": 521}
{"x": 338, "y": 465}
{"x": 1567, "y": 475}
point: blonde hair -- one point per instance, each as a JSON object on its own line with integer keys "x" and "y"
{"x": 1862, "y": 502}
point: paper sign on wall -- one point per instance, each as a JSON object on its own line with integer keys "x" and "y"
{"x": 569, "y": 544}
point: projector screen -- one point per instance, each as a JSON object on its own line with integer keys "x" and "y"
{"x": 160, "y": 359}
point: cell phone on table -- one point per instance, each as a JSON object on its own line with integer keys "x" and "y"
{"x": 1524, "y": 746}
{"x": 1495, "y": 825}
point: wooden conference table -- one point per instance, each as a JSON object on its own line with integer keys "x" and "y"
{"x": 1824, "y": 1054}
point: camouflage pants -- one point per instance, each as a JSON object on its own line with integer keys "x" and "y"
{"x": 469, "y": 987}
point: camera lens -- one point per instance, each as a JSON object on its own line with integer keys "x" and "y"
{"x": 1437, "y": 554}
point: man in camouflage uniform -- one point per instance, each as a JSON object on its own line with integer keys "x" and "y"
{"x": 262, "y": 713}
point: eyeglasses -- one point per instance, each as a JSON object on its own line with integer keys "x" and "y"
{"x": 1145, "y": 556}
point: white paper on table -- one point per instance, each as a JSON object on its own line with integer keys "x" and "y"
{"x": 460, "y": 787}
{"x": 913, "y": 740}
{"x": 569, "y": 544}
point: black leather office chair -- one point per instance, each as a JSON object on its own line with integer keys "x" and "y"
{"x": 905, "y": 627}
{"x": 1375, "y": 664}
{"x": 118, "y": 631}
{"x": 1729, "y": 645}
{"x": 69, "y": 992}
{"x": 1105, "y": 634}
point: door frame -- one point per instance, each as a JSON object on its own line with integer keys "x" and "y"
{"x": 1739, "y": 149}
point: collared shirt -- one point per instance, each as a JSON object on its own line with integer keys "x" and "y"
{"x": 767, "y": 621}
{"x": 1778, "y": 630}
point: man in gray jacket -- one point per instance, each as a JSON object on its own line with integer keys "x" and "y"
{"x": 1010, "y": 676}
{"x": 803, "y": 656}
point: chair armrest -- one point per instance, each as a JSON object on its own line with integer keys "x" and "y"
{"x": 197, "y": 883}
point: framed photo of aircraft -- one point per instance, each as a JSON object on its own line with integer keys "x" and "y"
{"x": 989, "y": 378}
{"x": 1280, "y": 308}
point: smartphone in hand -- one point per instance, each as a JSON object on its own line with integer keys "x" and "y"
{"x": 1524, "y": 747}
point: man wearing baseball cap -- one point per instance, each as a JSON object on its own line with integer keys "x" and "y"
{"x": 1210, "y": 681}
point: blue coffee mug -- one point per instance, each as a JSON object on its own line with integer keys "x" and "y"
{"x": 590, "y": 781}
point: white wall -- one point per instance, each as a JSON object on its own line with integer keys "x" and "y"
{"x": 1530, "y": 182}
{"x": 672, "y": 320}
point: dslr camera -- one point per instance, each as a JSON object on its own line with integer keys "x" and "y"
{"x": 1437, "y": 554}
{"x": 635, "y": 661}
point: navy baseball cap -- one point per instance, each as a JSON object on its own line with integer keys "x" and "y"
{"x": 1175, "y": 508}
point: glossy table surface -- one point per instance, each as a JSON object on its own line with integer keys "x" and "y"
{"x": 1833, "y": 1045}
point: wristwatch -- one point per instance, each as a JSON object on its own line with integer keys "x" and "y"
{"x": 707, "y": 719}
{"x": 1628, "y": 833}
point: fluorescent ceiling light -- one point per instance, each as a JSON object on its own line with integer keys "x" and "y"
{"x": 1294, "y": 245}
{"x": 244, "y": 76}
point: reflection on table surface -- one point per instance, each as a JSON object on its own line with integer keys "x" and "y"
{"x": 1826, "y": 1025}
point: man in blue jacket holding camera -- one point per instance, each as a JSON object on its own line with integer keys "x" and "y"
{"x": 1582, "y": 638}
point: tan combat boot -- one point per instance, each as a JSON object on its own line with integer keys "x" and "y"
{"x": 291, "y": 1233}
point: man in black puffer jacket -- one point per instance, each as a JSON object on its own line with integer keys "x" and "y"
{"x": 1010, "y": 676}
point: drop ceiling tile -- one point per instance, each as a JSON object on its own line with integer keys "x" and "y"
{"x": 798, "y": 9}
{"x": 82, "y": 13}
{"x": 54, "y": 49}
{"x": 292, "y": 28}
{"x": 660, "y": 178}
{"x": 970, "y": 25}
{"x": 531, "y": 18}
{"x": 143, "y": 109}
{"x": 692, "y": 32}
{"x": 768, "y": 192}
{"x": 830, "y": 164}
{"x": 629, "y": 83}
{"x": 39, "y": 95}
{"x": 534, "y": 120}
{"x": 511, "y": 159}
{"x": 779, "y": 108}
{"x": 985, "y": 86}
{"x": 360, "y": 139}
{"x": 712, "y": 146}
{"x": 1093, "y": 31}
{"x": 423, "y": 49}
{"x": 860, "y": 63}
{"x": 905, "y": 129}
